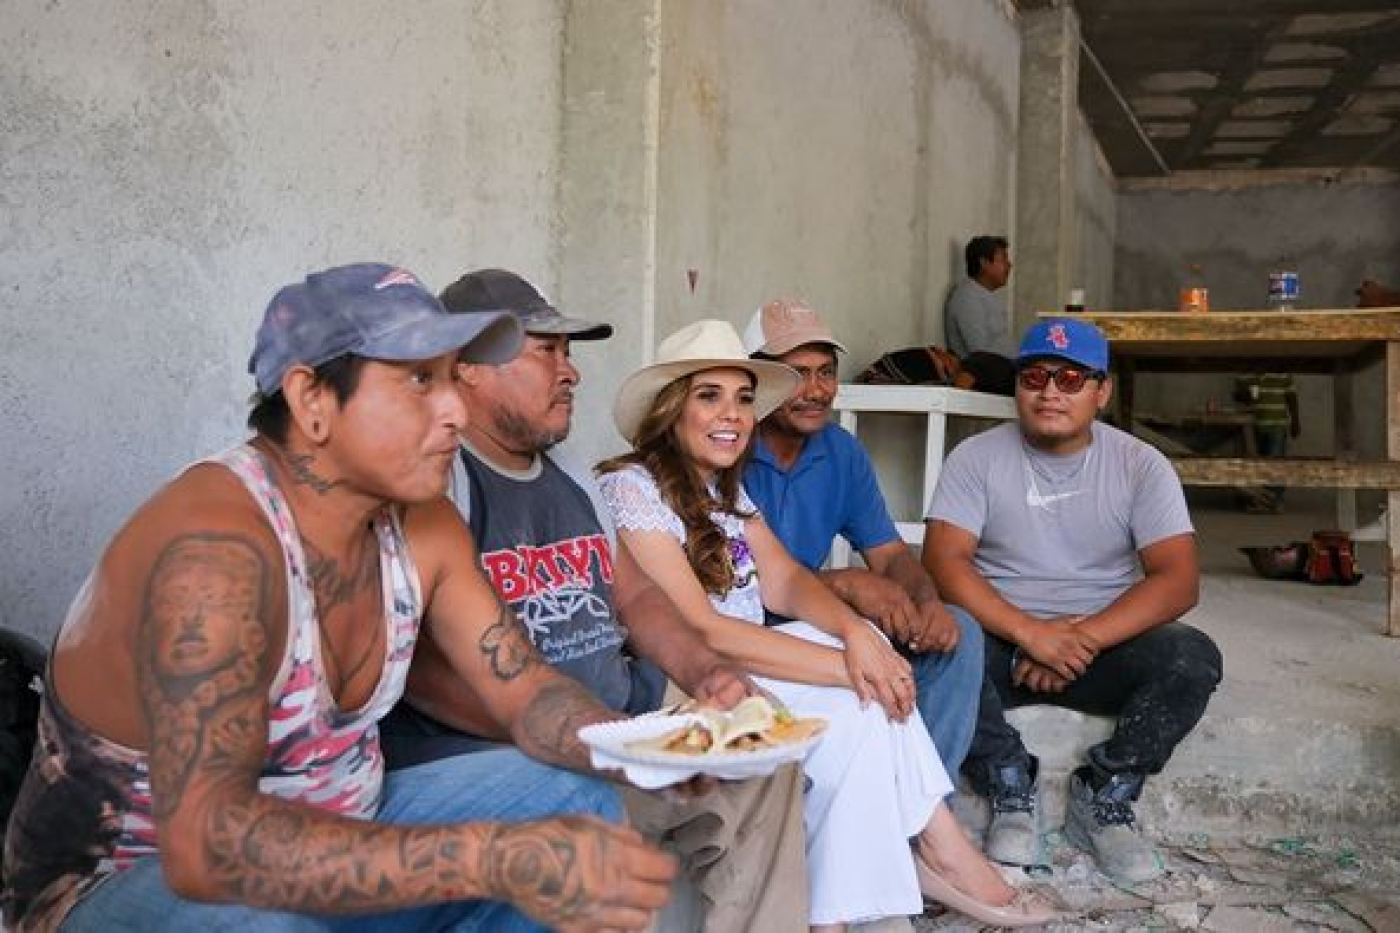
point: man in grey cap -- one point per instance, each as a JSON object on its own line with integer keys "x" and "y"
{"x": 208, "y": 753}
{"x": 594, "y": 615}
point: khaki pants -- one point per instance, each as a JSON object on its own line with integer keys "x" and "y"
{"x": 742, "y": 845}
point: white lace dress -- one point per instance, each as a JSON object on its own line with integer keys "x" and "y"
{"x": 874, "y": 783}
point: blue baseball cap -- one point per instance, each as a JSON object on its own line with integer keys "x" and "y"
{"x": 1065, "y": 339}
{"x": 377, "y": 311}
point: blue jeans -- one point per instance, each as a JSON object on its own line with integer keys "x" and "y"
{"x": 496, "y": 785}
{"x": 949, "y": 687}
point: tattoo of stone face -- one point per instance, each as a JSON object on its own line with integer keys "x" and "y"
{"x": 300, "y": 466}
{"x": 202, "y": 659}
{"x": 507, "y": 646}
{"x": 202, "y": 641}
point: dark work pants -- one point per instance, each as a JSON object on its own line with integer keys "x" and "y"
{"x": 1157, "y": 684}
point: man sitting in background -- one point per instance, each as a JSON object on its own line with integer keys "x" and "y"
{"x": 1273, "y": 405}
{"x": 976, "y": 323}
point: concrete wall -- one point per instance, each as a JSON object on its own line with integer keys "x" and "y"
{"x": 1333, "y": 228}
{"x": 974, "y": 95}
{"x": 843, "y": 155}
{"x": 608, "y": 200}
{"x": 164, "y": 167}
{"x": 1096, "y": 226}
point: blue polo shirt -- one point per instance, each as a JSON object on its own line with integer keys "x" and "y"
{"x": 830, "y": 490}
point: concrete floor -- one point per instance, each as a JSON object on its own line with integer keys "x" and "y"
{"x": 1293, "y": 884}
{"x": 1282, "y": 810}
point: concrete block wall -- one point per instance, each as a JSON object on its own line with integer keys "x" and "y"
{"x": 1096, "y": 229}
{"x": 843, "y": 155}
{"x": 165, "y": 167}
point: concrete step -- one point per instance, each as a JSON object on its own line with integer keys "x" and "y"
{"x": 1235, "y": 776}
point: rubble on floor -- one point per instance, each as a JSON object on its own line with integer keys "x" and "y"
{"x": 1289, "y": 885}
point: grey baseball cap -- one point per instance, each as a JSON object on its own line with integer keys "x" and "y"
{"x": 487, "y": 290}
{"x": 377, "y": 311}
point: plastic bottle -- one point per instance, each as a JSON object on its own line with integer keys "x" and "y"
{"x": 1283, "y": 287}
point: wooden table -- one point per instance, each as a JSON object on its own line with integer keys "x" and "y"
{"x": 1212, "y": 426}
{"x": 1336, "y": 343}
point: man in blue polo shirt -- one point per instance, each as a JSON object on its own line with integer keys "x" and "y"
{"x": 813, "y": 481}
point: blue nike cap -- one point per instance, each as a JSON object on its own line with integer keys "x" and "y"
{"x": 1068, "y": 339}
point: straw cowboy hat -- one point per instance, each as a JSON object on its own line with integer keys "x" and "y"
{"x": 692, "y": 349}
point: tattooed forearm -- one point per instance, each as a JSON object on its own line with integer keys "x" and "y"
{"x": 507, "y": 647}
{"x": 201, "y": 644}
{"x": 270, "y": 853}
{"x": 548, "y": 727}
{"x": 273, "y": 854}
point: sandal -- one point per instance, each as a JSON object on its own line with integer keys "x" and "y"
{"x": 1025, "y": 909}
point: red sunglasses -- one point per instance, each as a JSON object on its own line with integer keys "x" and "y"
{"x": 1068, "y": 379}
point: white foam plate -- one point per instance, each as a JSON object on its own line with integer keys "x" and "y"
{"x": 607, "y": 743}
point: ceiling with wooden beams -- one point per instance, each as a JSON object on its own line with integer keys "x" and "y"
{"x": 1240, "y": 84}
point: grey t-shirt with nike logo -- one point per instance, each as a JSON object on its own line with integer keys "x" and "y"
{"x": 1060, "y": 535}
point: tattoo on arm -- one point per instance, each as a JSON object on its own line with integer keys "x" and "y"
{"x": 202, "y": 656}
{"x": 278, "y": 855}
{"x": 540, "y": 863}
{"x": 507, "y": 647}
{"x": 271, "y": 853}
{"x": 548, "y": 727}
{"x": 203, "y": 636}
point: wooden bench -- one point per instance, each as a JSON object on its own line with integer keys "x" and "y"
{"x": 937, "y": 404}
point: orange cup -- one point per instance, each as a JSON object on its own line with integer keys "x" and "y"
{"x": 1194, "y": 300}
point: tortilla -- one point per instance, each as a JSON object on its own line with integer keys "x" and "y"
{"x": 751, "y": 725}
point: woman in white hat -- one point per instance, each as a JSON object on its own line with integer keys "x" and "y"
{"x": 876, "y": 780}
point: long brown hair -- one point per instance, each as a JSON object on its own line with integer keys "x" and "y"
{"x": 658, "y": 451}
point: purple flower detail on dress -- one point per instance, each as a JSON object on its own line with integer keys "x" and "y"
{"x": 741, "y": 559}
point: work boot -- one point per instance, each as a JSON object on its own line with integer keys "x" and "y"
{"x": 1100, "y": 821}
{"x": 1013, "y": 836}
